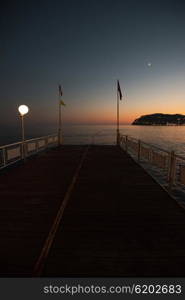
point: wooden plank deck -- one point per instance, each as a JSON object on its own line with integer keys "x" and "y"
{"x": 118, "y": 221}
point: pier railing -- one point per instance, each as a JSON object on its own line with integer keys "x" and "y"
{"x": 12, "y": 153}
{"x": 168, "y": 166}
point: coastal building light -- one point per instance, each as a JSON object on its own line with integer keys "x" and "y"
{"x": 23, "y": 110}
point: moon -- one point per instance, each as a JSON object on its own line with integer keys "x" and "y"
{"x": 149, "y": 64}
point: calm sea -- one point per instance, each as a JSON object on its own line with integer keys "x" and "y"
{"x": 167, "y": 137}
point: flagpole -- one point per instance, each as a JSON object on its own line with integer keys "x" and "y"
{"x": 59, "y": 121}
{"x": 117, "y": 116}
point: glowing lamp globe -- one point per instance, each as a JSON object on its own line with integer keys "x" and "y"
{"x": 23, "y": 110}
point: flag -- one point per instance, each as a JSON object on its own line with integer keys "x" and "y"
{"x": 60, "y": 95}
{"x": 119, "y": 90}
{"x": 60, "y": 90}
{"x": 62, "y": 102}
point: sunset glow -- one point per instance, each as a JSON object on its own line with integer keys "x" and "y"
{"x": 87, "y": 56}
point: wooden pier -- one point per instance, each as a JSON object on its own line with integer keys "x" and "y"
{"x": 87, "y": 211}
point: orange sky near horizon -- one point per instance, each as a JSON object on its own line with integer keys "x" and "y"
{"x": 164, "y": 95}
{"x": 94, "y": 44}
{"x": 130, "y": 109}
{"x": 100, "y": 106}
{"x": 106, "y": 116}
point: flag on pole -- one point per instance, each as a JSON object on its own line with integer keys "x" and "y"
{"x": 119, "y": 90}
{"x": 60, "y": 90}
{"x": 62, "y": 103}
{"x": 60, "y": 95}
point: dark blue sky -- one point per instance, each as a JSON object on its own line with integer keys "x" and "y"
{"x": 86, "y": 46}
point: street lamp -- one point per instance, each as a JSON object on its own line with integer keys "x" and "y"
{"x": 23, "y": 110}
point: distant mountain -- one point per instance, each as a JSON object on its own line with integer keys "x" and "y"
{"x": 160, "y": 119}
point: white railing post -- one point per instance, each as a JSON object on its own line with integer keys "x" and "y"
{"x": 139, "y": 151}
{"x": 37, "y": 146}
{"x": 126, "y": 143}
{"x": 22, "y": 150}
{"x": 150, "y": 155}
{"x": 121, "y": 140}
{"x": 46, "y": 142}
{"x": 4, "y": 156}
{"x": 172, "y": 169}
{"x": 25, "y": 149}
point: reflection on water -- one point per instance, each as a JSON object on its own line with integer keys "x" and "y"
{"x": 167, "y": 137}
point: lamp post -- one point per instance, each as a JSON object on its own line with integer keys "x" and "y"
{"x": 23, "y": 110}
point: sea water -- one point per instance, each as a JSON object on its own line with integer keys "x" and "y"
{"x": 166, "y": 137}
